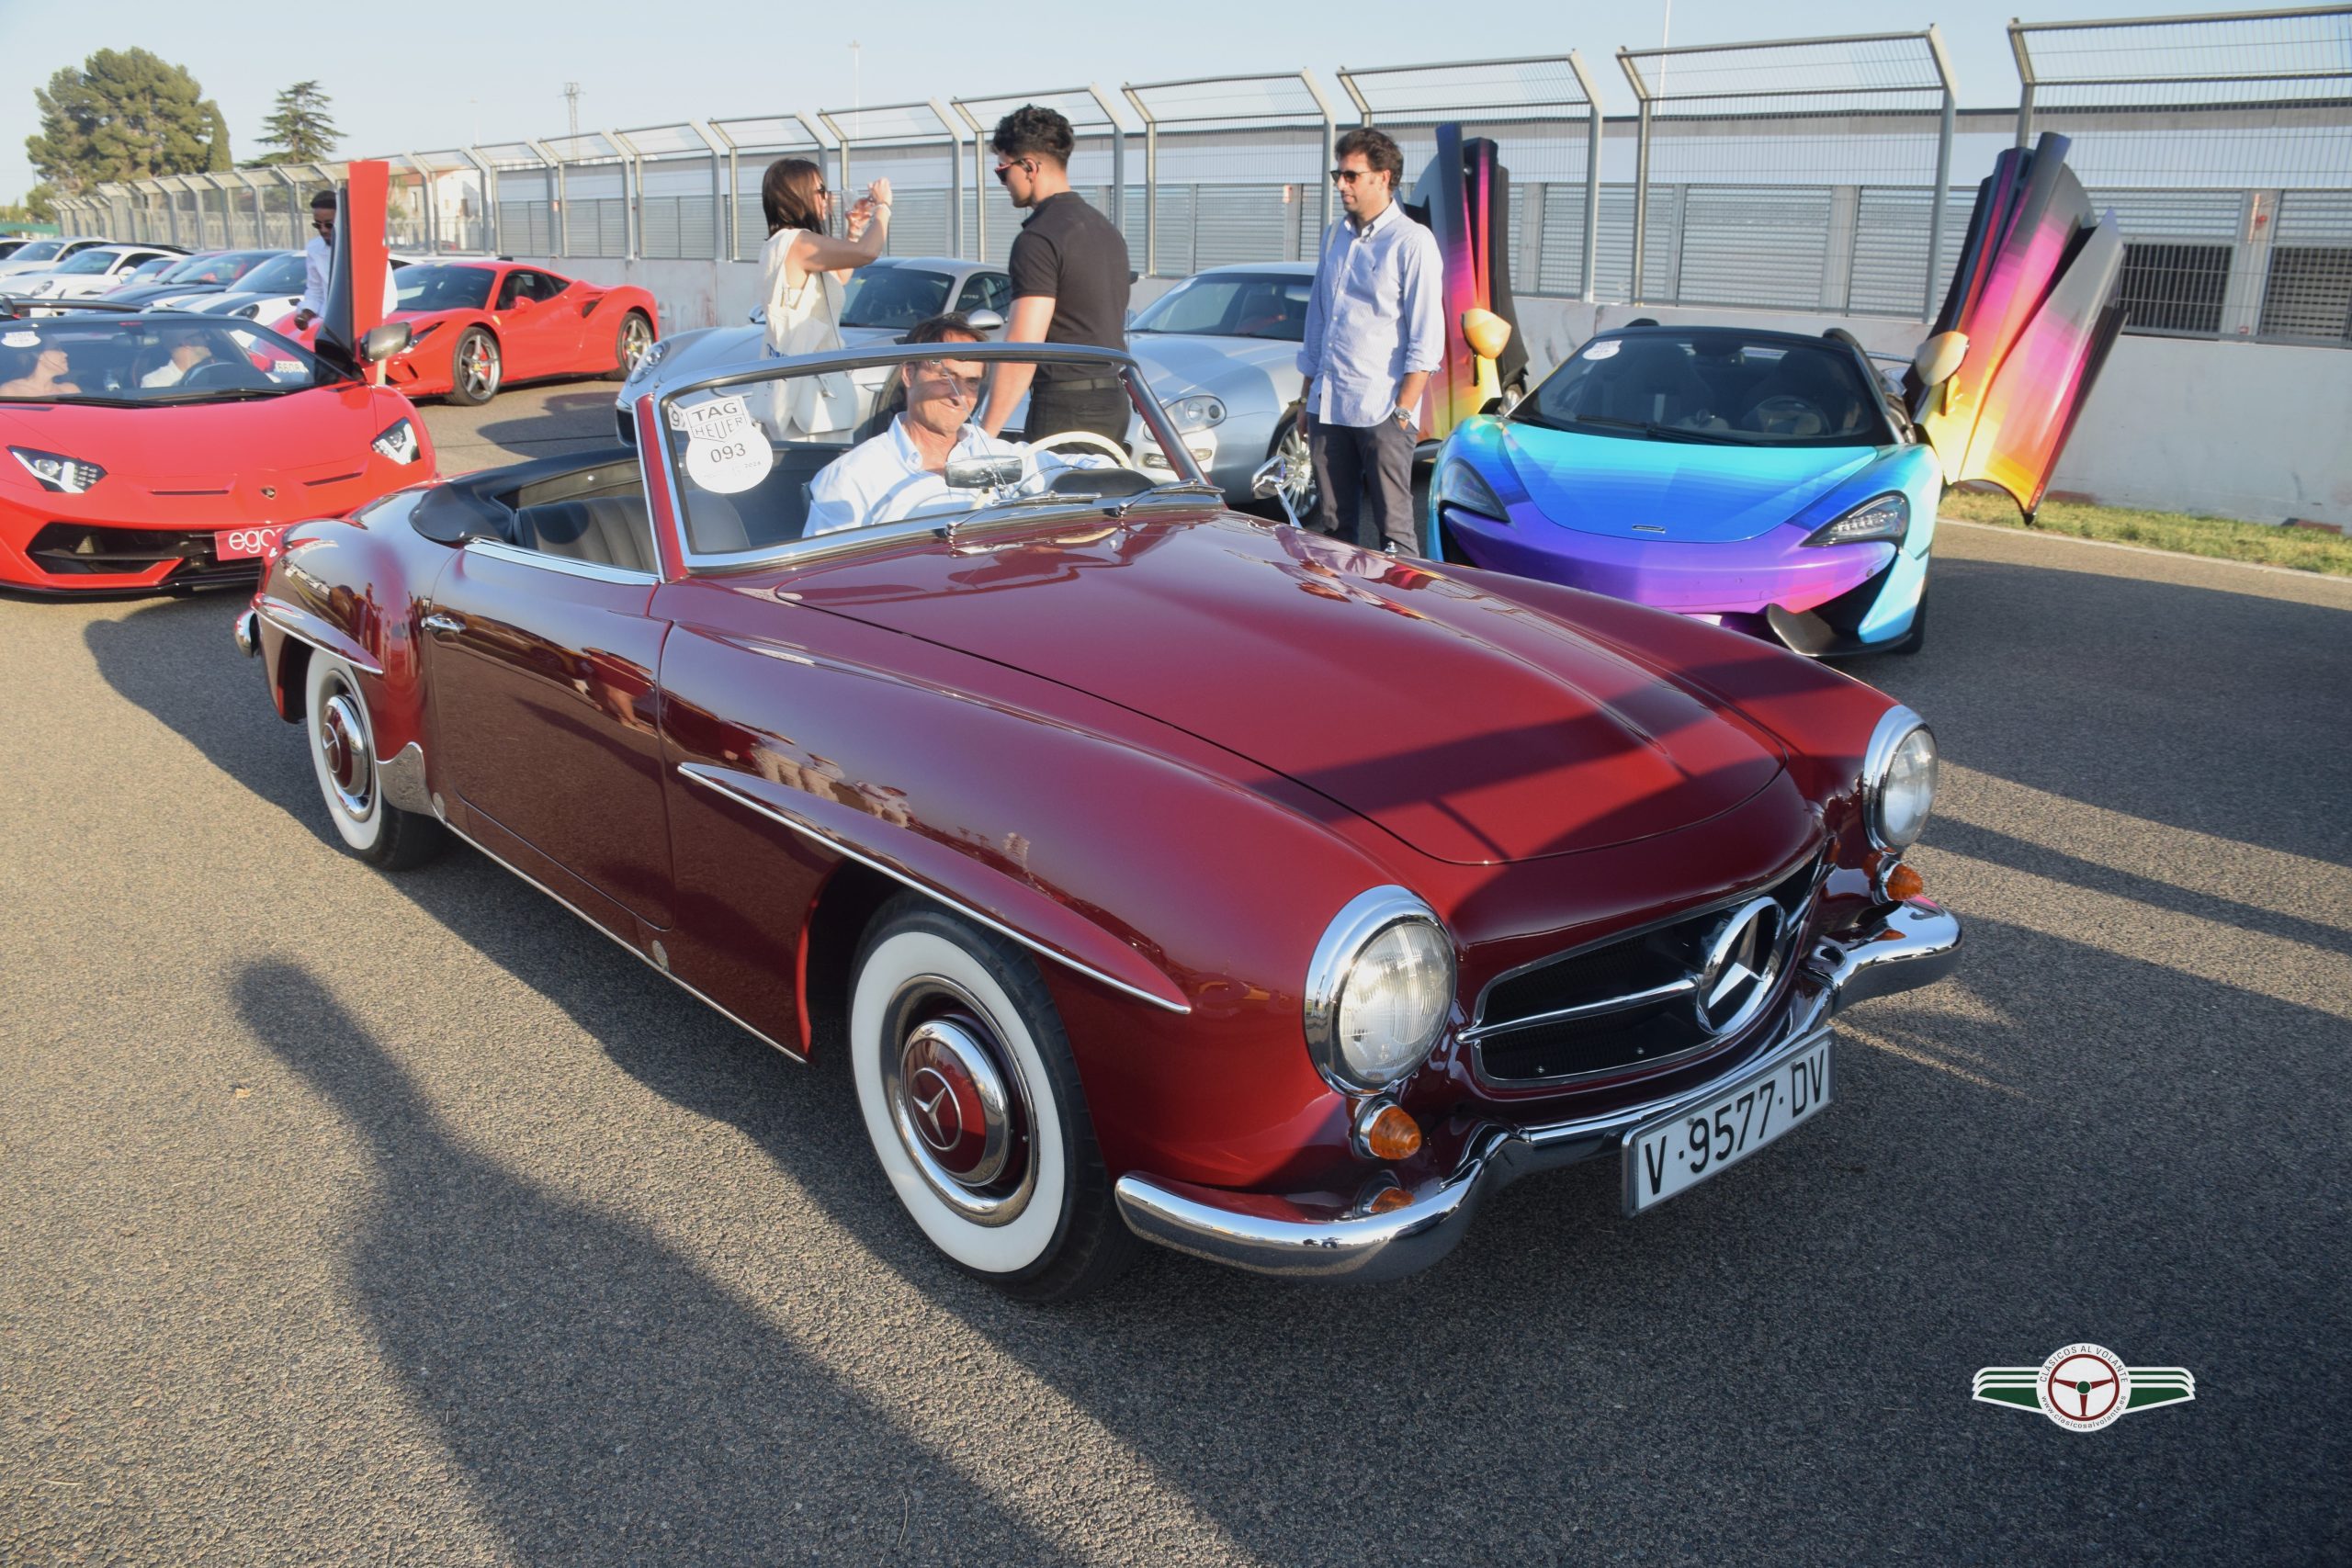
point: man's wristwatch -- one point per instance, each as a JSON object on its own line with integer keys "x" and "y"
{"x": 1404, "y": 415}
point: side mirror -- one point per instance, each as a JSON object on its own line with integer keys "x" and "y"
{"x": 1267, "y": 481}
{"x": 983, "y": 473}
{"x": 986, "y": 322}
{"x": 383, "y": 342}
{"x": 759, "y": 316}
{"x": 1938, "y": 357}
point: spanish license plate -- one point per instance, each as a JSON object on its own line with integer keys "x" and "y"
{"x": 1664, "y": 1157}
{"x": 242, "y": 544}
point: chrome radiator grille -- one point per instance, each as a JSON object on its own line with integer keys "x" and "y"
{"x": 1643, "y": 1000}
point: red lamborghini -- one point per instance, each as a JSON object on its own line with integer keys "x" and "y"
{"x": 481, "y": 324}
{"x": 151, "y": 451}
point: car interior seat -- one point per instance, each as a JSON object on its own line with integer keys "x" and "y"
{"x": 607, "y": 530}
{"x": 1654, "y": 384}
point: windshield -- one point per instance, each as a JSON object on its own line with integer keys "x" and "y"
{"x": 894, "y": 297}
{"x": 1259, "y": 305}
{"x": 279, "y": 275}
{"x": 39, "y": 249}
{"x": 766, "y": 464}
{"x": 89, "y": 261}
{"x": 216, "y": 269}
{"x": 424, "y": 289}
{"x": 141, "y": 359}
{"x": 1719, "y": 386}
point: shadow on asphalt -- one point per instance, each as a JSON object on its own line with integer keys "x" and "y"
{"x": 606, "y": 1400}
{"x": 1781, "y": 1363}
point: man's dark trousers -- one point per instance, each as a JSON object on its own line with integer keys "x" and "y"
{"x": 1364, "y": 484}
{"x": 1099, "y": 404}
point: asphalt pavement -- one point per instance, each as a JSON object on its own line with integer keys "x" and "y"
{"x": 356, "y": 1219}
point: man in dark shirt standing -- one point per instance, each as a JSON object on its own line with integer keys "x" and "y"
{"x": 1069, "y": 285}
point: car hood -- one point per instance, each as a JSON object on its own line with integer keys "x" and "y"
{"x": 188, "y": 457}
{"x": 1246, "y": 372}
{"x": 1629, "y": 489}
{"x": 1469, "y": 726}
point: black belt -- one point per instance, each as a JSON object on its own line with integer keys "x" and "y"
{"x": 1080, "y": 384}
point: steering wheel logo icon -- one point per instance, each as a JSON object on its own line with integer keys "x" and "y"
{"x": 2085, "y": 1387}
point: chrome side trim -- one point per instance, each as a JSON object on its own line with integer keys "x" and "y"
{"x": 601, "y": 930}
{"x": 289, "y": 619}
{"x": 715, "y": 780}
{"x": 1894, "y": 947}
{"x": 1666, "y": 992}
{"x": 595, "y": 572}
{"x": 402, "y": 778}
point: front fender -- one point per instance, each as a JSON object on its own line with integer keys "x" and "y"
{"x": 348, "y": 587}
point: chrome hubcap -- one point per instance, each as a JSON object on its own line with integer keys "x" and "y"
{"x": 636, "y": 338}
{"x": 958, "y": 1104}
{"x": 1298, "y": 471}
{"x": 343, "y": 745}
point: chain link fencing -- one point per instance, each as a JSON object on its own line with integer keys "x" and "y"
{"x": 1823, "y": 175}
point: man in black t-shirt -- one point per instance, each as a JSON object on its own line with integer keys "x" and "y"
{"x": 1069, "y": 285}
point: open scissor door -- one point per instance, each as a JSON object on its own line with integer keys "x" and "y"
{"x": 354, "y": 301}
{"x": 2032, "y": 306}
{"x": 1464, "y": 197}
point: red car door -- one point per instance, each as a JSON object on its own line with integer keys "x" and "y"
{"x": 541, "y": 666}
{"x": 536, "y": 338}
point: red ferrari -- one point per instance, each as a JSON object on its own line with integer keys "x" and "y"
{"x": 481, "y": 324}
{"x": 151, "y": 451}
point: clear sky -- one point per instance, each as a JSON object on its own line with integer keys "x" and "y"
{"x": 431, "y": 74}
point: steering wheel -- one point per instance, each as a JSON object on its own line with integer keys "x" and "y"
{"x": 1788, "y": 411}
{"x": 213, "y": 372}
{"x": 1085, "y": 439}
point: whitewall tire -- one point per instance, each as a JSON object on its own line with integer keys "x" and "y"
{"x": 342, "y": 742}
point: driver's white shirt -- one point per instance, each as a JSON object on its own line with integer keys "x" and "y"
{"x": 882, "y": 479}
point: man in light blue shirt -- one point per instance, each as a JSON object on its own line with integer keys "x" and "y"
{"x": 1375, "y": 328}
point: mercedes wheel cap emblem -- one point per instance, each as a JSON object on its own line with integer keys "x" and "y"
{"x": 937, "y": 1117}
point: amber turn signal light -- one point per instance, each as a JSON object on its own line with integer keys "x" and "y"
{"x": 1390, "y": 1199}
{"x": 1904, "y": 883}
{"x": 1389, "y": 1134}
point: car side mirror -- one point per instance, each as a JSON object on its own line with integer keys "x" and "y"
{"x": 986, "y": 322}
{"x": 383, "y": 342}
{"x": 759, "y": 316}
{"x": 1938, "y": 357}
{"x": 1267, "y": 482}
{"x": 983, "y": 473}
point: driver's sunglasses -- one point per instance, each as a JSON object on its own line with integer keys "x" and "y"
{"x": 1349, "y": 176}
{"x": 1005, "y": 168}
{"x": 939, "y": 367}
{"x": 323, "y": 224}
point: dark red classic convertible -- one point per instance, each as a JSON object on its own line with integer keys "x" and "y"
{"x": 1166, "y": 873}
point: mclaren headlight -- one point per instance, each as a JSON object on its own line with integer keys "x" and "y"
{"x": 1458, "y": 484}
{"x": 1199, "y": 412}
{"x": 400, "y": 443}
{"x": 1881, "y": 517}
{"x": 1378, "y": 991}
{"x": 1898, "y": 779}
{"x": 68, "y": 476}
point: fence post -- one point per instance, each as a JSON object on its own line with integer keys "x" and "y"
{"x": 1943, "y": 170}
{"x": 1641, "y": 173}
{"x": 1330, "y": 156}
{"x": 1591, "y": 90}
{"x": 2025, "y": 83}
{"x": 1150, "y": 181}
{"x": 559, "y": 210}
{"x": 632, "y": 187}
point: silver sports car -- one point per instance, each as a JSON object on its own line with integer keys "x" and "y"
{"x": 1221, "y": 352}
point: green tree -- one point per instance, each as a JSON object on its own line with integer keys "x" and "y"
{"x": 217, "y": 159}
{"x": 124, "y": 115}
{"x": 299, "y": 130}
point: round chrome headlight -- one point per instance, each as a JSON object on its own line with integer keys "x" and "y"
{"x": 1378, "y": 991}
{"x": 1898, "y": 779}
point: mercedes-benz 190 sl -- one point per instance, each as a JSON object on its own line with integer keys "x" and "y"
{"x": 1166, "y": 875}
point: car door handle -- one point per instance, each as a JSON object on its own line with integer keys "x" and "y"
{"x": 437, "y": 622}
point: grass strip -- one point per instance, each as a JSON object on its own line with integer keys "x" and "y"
{"x": 2302, "y": 549}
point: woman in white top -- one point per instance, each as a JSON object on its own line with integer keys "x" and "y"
{"x": 802, "y": 270}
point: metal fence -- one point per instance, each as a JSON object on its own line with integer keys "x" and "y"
{"x": 1826, "y": 176}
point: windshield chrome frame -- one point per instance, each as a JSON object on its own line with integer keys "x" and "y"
{"x": 936, "y": 525}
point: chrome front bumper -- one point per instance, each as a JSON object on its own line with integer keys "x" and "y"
{"x": 1899, "y": 947}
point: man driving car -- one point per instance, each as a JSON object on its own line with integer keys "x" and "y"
{"x": 902, "y": 470}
